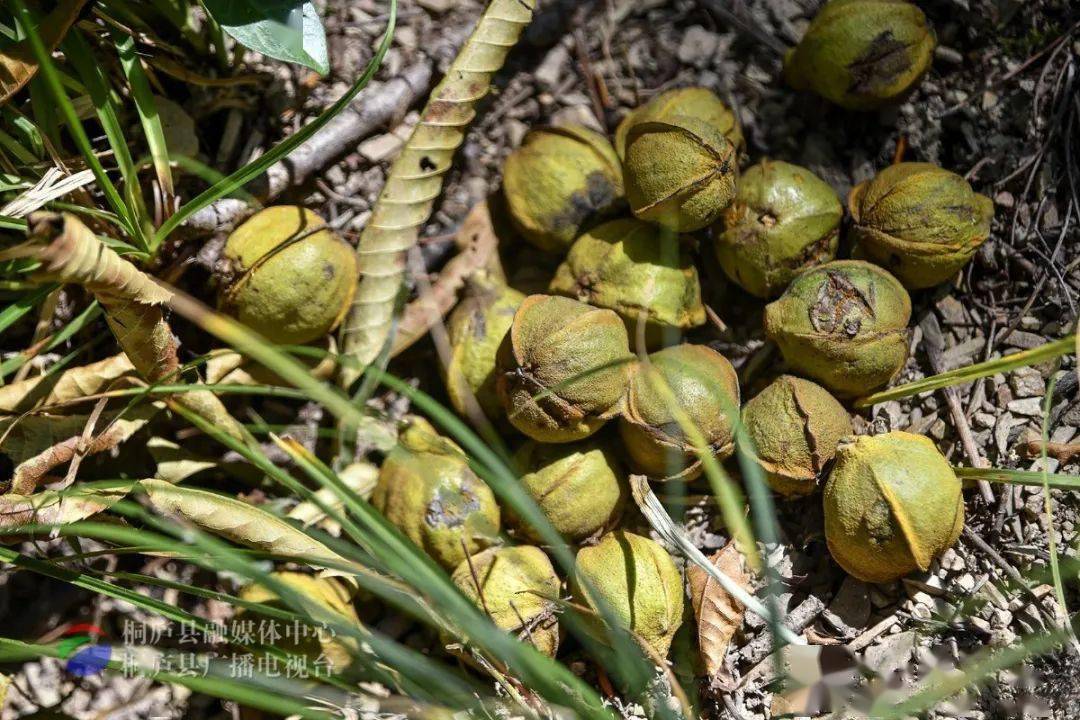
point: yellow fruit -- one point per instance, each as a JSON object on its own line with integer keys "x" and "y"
{"x": 696, "y": 102}
{"x": 290, "y": 281}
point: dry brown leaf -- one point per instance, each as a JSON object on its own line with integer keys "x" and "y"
{"x": 66, "y": 386}
{"x": 17, "y": 62}
{"x": 718, "y": 614}
{"x": 52, "y": 508}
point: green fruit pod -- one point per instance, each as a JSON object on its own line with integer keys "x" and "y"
{"x": 862, "y": 54}
{"x": 920, "y": 222}
{"x": 581, "y": 488}
{"x": 563, "y": 368}
{"x": 680, "y": 173}
{"x": 637, "y": 581}
{"x": 291, "y": 281}
{"x": 630, "y": 267}
{"x": 518, "y": 588}
{"x": 843, "y": 324}
{"x": 476, "y": 328}
{"x": 794, "y": 426}
{"x": 681, "y": 384}
{"x": 892, "y": 505}
{"x": 783, "y": 220}
{"x": 427, "y": 489}
{"x": 559, "y": 182}
{"x": 696, "y": 102}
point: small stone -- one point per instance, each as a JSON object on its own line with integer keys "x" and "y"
{"x": 852, "y": 603}
{"x": 576, "y": 115}
{"x": 515, "y": 132}
{"x": 550, "y": 70}
{"x": 952, "y": 311}
{"x": 698, "y": 46}
{"x": 965, "y": 583}
{"x": 381, "y": 147}
{"x": 436, "y": 6}
{"x": 1024, "y": 340}
{"x": 892, "y": 654}
{"x": 1027, "y": 382}
{"x": 984, "y": 420}
{"x": 1029, "y": 407}
{"x": 1005, "y": 424}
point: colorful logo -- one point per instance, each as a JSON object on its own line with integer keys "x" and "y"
{"x": 83, "y": 654}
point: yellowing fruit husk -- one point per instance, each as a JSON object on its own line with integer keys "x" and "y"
{"x": 563, "y": 368}
{"x": 559, "y": 182}
{"x": 680, "y": 173}
{"x": 519, "y": 588}
{"x": 630, "y": 267}
{"x": 289, "y": 284}
{"x": 427, "y": 489}
{"x": 921, "y": 222}
{"x": 698, "y": 382}
{"x": 843, "y": 324}
{"x": 696, "y": 102}
{"x": 862, "y": 54}
{"x": 638, "y": 581}
{"x": 581, "y": 488}
{"x": 892, "y": 505}
{"x": 794, "y": 426}
{"x": 783, "y": 220}
{"x": 476, "y": 328}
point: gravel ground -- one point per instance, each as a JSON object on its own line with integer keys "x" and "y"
{"x": 1000, "y": 106}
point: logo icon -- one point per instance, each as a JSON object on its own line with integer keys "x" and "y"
{"x": 80, "y": 649}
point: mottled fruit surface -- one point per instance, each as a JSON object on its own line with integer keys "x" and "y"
{"x": 559, "y": 182}
{"x": 843, "y": 324}
{"x": 632, "y": 268}
{"x": 862, "y": 54}
{"x": 921, "y": 222}
{"x": 519, "y": 590}
{"x": 795, "y": 426}
{"x": 696, "y": 102}
{"x": 638, "y": 582}
{"x": 427, "y": 489}
{"x": 892, "y": 505}
{"x": 291, "y": 281}
{"x": 679, "y": 385}
{"x": 563, "y": 368}
{"x": 783, "y": 220}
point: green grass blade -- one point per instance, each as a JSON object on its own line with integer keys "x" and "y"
{"x": 147, "y": 110}
{"x": 87, "y": 316}
{"x": 1041, "y": 354}
{"x": 257, "y": 167}
{"x": 1019, "y": 477}
{"x": 24, "y": 304}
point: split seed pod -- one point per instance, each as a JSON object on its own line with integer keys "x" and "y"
{"x": 680, "y": 172}
{"x": 862, "y": 54}
{"x": 563, "y": 368}
{"x": 291, "y": 281}
{"x": 795, "y": 426}
{"x": 844, "y": 324}
{"x": 581, "y": 488}
{"x": 892, "y": 505}
{"x": 693, "y": 379}
{"x": 560, "y": 181}
{"x": 921, "y": 222}
{"x": 427, "y": 489}
{"x": 628, "y": 266}
{"x": 476, "y": 328}
{"x": 696, "y": 102}
{"x": 638, "y": 582}
{"x": 783, "y": 220}
{"x": 518, "y": 588}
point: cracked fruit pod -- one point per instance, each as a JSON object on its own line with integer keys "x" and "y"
{"x": 783, "y": 220}
{"x": 696, "y": 102}
{"x": 843, "y": 324}
{"x": 795, "y": 427}
{"x": 682, "y": 384}
{"x": 630, "y": 267}
{"x": 559, "y": 182}
{"x": 427, "y": 489}
{"x": 892, "y": 505}
{"x": 581, "y": 488}
{"x": 476, "y": 328}
{"x": 637, "y": 581}
{"x": 563, "y": 368}
{"x": 862, "y": 54}
{"x": 680, "y": 172}
{"x": 919, "y": 221}
{"x": 289, "y": 280}
{"x": 518, "y": 588}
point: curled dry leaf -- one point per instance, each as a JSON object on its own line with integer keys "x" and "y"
{"x": 238, "y": 521}
{"x": 360, "y": 477}
{"x": 67, "y": 386}
{"x": 55, "y": 508}
{"x": 17, "y": 62}
{"x": 718, "y": 614}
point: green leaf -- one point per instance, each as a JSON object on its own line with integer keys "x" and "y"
{"x": 288, "y": 30}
